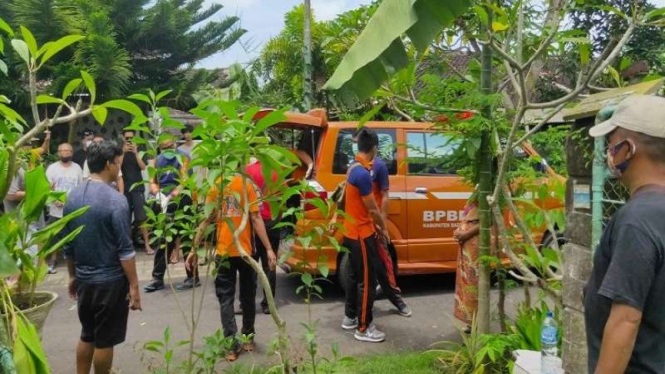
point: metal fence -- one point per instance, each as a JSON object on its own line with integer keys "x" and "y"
{"x": 608, "y": 193}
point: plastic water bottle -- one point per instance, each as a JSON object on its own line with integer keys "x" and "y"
{"x": 549, "y": 361}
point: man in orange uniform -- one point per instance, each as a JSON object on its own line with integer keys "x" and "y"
{"x": 229, "y": 215}
{"x": 360, "y": 238}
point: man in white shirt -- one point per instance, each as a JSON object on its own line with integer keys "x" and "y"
{"x": 63, "y": 176}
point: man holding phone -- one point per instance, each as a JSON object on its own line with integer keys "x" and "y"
{"x": 132, "y": 166}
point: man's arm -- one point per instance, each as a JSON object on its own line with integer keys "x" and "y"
{"x": 126, "y": 253}
{"x": 16, "y": 188}
{"x": 618, "y": 339}
{"x": 385, "y": 205}
{"x": 121, "y": 184}
{"x": 46, "y": 144}
{"x": 374, "y": 212}
{"x": 260, "y": 231}
{"x": 129, "y": 268}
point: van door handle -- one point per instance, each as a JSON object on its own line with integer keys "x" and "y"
{"x": 422, "y": 190}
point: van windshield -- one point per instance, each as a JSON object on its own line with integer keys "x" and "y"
{"x": 303, "y": 139}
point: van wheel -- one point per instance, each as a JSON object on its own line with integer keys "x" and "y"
{"x": 344, "y": 272}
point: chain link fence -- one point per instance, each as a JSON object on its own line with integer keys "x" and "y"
{"x": 614, "y": 196}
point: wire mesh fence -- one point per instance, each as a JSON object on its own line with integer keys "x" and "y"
{"x": 614, "y": 196}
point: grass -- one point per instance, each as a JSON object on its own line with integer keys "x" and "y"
{"x": 398, "y": 363}
{"x": 402, "y": 363}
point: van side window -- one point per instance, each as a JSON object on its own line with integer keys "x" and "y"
{"x": 346, "y": 149}
{"x": 430, "y": 153}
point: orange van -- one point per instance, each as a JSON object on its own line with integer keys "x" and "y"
{"x": 426, "y": 200}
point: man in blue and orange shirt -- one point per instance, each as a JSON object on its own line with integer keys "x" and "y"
{"x": 361, "y": 240}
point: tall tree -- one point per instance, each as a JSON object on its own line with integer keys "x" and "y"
{"x": 131, "y": 44}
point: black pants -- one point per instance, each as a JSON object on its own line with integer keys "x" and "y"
{"x": 225, "y": 289}
{"x": 382, "y": 276}
{"x": 163, "y": 255}
{"x": 361, "y": 292}
{"x": 274, "y": 235}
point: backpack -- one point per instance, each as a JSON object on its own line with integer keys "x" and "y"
{"x": 339, "y": 194}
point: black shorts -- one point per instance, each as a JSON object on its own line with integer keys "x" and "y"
{"x": 103, "y": 312}
{"x": 136, "y": 201}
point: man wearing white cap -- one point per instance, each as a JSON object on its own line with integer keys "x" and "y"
{"x": 625, "y": 297}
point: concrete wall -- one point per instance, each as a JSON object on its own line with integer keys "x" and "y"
{"x": 577, "y": 253}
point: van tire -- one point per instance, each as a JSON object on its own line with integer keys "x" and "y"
{"x": 344, "y": 272}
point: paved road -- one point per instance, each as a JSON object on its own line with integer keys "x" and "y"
{"x": 430, "y": 297}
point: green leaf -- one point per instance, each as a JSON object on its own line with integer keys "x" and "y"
{"x": 100, "y": 113}
{"x": 58, "y": 46}
{"x": 22, "y": 49}
{"x": 126, "y": 106}
{"x": 615, "y": 75}
{"x": 324, "y": 270}
{"x": 498, "y": 26}
{"x": 70, "y": 87}
{"x": 370, "y": 114}
{"x": 655, "y": 13}
{"x": 46, "y": 251}
{"x": 29, "y": 356}
{"x": 271, "y": 119}
{"x": 5, "y": 27}
{"x": 46, "y": 99}
{"x": 29, "y": 40}
{"x": 140, "y": 97}
{"x": 307, "y": 279}
{"x": 585, "y": 53}
{"x": 37, "y": 189}
{"x": 162, "y": 95}
{"x": 90, "y": 84}
{"x": 379, "y": 51}
{"x": 482, "y": 14}
{"x": 4, "y": 167}
{"x": 625, "y": 63}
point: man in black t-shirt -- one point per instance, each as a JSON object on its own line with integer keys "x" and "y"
{"x": 80, "y": 154}
{"x": 625, "y": 297}
{"x": 132, "y": 165}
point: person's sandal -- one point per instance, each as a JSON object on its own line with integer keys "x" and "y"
{"x": 233, "y": 354}
{"x": 248, "y": 347}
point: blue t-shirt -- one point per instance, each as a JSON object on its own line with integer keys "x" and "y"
{"x": 168, "y": 170}
{"x": 380, "y": 174}
{"x": 105, "y": 239}
{"x": 361, "y": 178}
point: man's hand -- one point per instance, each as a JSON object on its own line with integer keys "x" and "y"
{"x": 272, "y": 259}
{"x": 190, "y": 261}
{"x": 73, "y": 288}
{"x": 132, "y": 148}
{"x": 154, "y": 188}
{"x": 134, "y": 298}
{"x": 47, "y": 135}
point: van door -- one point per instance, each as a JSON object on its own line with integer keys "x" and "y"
{"x": 436, "y": 197}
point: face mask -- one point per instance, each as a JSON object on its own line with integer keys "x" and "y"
{"x": 617, "y": 170}
{"x": 65, "y": 159}
{"x": 87, "y": 143}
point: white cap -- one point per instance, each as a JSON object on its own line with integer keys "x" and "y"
{"x": 639, "y": 113}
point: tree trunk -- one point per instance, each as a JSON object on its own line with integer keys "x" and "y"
{"x": 308, "y": 95}
{"x": 485, "y": 190}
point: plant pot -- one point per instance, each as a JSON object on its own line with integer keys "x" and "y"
{"x": 37, "y": 315}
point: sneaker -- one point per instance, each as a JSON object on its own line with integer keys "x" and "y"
{"x": 371, "y": 335}
{"x": 404, "y": 310}
{"x": 52, "y": 270}
{"x": 248, "y": 347}
{"x": 188, "y": 284}
{"x": 153, "y": 286}
{"x": 350, "y": 323}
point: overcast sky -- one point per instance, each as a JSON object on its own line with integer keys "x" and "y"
{"x": 264, "y": 19}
